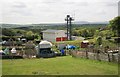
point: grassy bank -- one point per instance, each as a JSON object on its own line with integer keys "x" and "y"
{"x": 66, "y": 65}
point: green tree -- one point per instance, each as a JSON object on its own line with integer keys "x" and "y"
{"x": 84, "y": 32}
{"x": 8, "y": 32}
{"x": 91, "y": 32}
{"x": 75, "y": 32}
{"x": 99, "y": 40}
{"x": 96, "y": 33}
{"x": 115, "y": 25}
{"x": 30, "y": 35}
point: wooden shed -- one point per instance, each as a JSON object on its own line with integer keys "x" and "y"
{"x": 84, "y": 44}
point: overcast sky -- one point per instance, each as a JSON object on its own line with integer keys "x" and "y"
{"x": 54, "y": 11}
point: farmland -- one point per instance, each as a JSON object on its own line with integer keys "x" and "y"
{"x": 66, "y": 65}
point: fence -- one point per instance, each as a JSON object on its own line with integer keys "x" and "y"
{"x": 100, "y": 56}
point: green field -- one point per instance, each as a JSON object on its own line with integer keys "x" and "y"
{"x": 66, "y": 65}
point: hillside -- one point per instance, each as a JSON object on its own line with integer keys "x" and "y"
{"x": 77, "y": 23}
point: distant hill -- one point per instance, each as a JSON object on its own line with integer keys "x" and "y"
{"x": 48, "y": 24}
{"x": 11, "y": 25}
{"x": 86, "y": 22}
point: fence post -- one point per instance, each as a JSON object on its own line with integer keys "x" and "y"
{"x": 108, "y": 57}
{"x": 119, "y": 56}
{"x": 98, "y": 57}
{"x": 86, "y": 54}
{"x": 113, "y": 58}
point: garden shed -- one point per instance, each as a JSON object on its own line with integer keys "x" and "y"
{"x": 44, "y": 49}
{"x": 84, "y": 44}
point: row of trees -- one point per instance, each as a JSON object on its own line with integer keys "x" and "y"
{"x": 84, "y": 32}
{"x": 93, "y": 32}
{"x": 112, "y": 30}
{"x": 15, "y": 33}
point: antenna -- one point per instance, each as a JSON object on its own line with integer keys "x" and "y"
{"x": 69, "y": 26}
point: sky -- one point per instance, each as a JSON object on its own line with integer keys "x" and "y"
{"x": 55, "y": 11}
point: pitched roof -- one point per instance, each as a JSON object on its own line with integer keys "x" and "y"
{"x": 52, "y": 31}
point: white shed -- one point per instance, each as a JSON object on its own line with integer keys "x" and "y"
{"x": 54, "y": 35}
{"x": 44, "y": 49}
{"x": 45, "y": 44}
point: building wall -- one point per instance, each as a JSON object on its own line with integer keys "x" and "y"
{"x": 49, "y": 36}
{"x": 60, "y": 34}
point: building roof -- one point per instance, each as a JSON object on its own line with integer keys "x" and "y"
{"x": 85, "y": 41}
{"x": 45, "y": 44}
{"x": 52, "y": 31}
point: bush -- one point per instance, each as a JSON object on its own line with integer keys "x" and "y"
{"x": 117, "y": 40}
{"x": 108, "y": 37}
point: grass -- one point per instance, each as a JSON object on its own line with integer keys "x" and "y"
{"x": 66, "y": 65}
{"x": 74, "y": 42}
